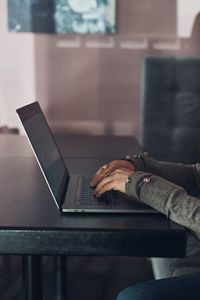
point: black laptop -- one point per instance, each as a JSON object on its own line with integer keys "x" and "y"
{"x": 71, "y": 192}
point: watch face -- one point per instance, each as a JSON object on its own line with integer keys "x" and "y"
{"x": 81, "y": 6}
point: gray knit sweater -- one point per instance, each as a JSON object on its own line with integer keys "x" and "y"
{"x": 171, "y": 188}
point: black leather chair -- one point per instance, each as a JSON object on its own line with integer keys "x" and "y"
{"x": 170, "y": 108}
{"x": 170, "y": 131}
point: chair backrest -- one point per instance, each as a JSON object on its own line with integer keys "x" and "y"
{"x": 170, "y": 108}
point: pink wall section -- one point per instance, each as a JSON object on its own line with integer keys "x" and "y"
{"x": 17, "y": 65}
{"x": 87, "y": 84}
{"x": 96, "y": 83}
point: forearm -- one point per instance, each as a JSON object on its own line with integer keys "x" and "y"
{"x": 167, "y": 198}
{"x": 180, "y": 174}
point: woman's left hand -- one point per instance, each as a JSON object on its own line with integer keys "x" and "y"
{"x": 113, "y": 181}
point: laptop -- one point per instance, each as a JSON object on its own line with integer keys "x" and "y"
{"x": 71, "y": 192}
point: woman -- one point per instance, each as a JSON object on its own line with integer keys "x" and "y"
{"x": 174, "y": 190}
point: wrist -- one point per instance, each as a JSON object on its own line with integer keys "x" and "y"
{"x": 135, "y": 183}
{"x": 130, "y": 165}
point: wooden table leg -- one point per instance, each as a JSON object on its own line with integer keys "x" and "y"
{"x": 33, "y": 277}
{"x": 60, "y": 277}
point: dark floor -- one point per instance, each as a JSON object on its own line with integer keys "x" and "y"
{"x": 88, "y": 278}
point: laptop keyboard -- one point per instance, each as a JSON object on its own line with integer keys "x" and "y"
{"x": 111, "y": 198}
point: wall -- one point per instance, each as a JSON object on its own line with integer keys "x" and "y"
{"x": 17, "y": 70}
{"x": 91, "y": 83}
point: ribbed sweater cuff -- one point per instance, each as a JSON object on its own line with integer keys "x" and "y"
{"x": 137, "y": 160}
{"x": 133, "y": 187}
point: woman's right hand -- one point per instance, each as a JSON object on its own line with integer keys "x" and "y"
{"x": 109, "y": 168}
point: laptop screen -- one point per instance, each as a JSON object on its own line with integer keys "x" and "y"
{"x": 45, "y": 149}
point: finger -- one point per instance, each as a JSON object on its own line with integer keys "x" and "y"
{"x": 104, "y": 181}
{"x": 98, "y": 176}
{"x": 112, "y": 166}
{"x": 120, "y": 175}
{"x": 102, "y": 172}
{"x": 115, "y": 184}
{"x": 107, "y": 187}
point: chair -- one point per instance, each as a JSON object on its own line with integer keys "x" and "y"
{"x": 170, "y": 131}
{"x": 170, "y": 108}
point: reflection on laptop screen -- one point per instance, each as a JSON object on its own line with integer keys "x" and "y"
{"x": 44, "y": 147}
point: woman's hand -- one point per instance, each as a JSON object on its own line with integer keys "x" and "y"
{"x": 113, "y": 181}
{"x": 109, "y": 169}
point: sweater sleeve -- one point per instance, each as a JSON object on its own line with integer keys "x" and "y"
{"x": 166, "y": 197}
{"x": 183, "y": 175}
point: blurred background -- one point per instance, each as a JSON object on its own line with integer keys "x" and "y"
{"x": 90, "y": 83}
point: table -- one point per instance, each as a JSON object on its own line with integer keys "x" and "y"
{"x": 31, "y": 225}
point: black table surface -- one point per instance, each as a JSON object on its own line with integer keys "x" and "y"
{"x": 74, "y": 146}
{"x": 30, "y": 223}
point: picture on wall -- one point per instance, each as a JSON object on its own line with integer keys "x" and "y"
{"x": 62, "y": 16}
